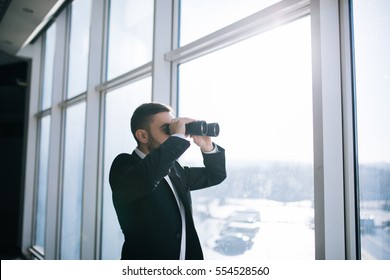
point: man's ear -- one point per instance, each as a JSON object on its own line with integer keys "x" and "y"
{"x": 142, "y": 136}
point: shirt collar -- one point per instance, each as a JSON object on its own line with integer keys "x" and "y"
{"x": 139, "y": 153}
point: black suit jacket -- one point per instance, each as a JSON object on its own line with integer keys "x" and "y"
{"x": 145, "y": 204}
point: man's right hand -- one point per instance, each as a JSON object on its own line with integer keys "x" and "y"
{"x": 178, "y": 125}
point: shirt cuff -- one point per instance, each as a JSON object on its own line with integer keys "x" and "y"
{"x": 213, "y": 151}
{"x": 182, "y": 136}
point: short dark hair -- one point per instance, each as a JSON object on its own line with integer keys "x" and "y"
{"x": 143, "y": 115}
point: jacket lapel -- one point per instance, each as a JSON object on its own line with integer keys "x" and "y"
{"x": 179, "y": 185}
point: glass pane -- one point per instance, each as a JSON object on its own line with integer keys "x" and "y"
{"x": 260, "y": 92}
{"x": 118, "y": 138}
{"x": 201, "y": 17}
{"x": 48, "y": 67}
{"x": 371, "y": 21}
{"x": 130, "y": 37}
{"x": 79, "y": 47}
{"x": 73, "y": 182}
{"x": 43, "y": 165}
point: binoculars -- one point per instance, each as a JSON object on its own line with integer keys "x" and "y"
{"x": 200, "y": 128}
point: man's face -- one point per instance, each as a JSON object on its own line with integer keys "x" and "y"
{"x": 157, "y": 134}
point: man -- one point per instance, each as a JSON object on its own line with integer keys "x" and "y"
{"x": 151, "y": 191}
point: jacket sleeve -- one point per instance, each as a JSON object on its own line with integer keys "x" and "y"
{"x": 213, "y": 172}
{"x": 132, "y": 178}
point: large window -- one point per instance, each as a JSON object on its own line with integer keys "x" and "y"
{"x": 73, "y": 182}
{"x": 260, "y": 92}
{"x": 120, "y": 105}
{"x": 79, "y": 47}
{"x": 130, "y": 35}
{"x": 74, "y": 137}
{"x": 371, "y": 21}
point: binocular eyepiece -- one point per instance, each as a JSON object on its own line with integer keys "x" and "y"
{"x": 200, "y": 128}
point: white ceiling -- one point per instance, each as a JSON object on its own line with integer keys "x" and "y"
{"x": 22, "y": 20}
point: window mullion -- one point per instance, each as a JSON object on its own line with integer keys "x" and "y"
{"x": 350, "y": 180}
{"x": 56, "y": 126}
{"x": 328, "y": 131}
{"x": 162, "y": 43}
{"x": 90, "y": 217}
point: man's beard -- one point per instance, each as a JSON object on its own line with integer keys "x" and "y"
{"x": 152, "y": 143}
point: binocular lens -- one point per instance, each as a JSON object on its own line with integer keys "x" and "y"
{"x": 212, "y": 129}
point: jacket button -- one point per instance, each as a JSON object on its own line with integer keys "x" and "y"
{"x": 178, "y": 236}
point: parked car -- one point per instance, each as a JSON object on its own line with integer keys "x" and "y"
{"x": 246, "y": 216}
{"x": 239, "y": 229}
{"x": 233, "y": 245}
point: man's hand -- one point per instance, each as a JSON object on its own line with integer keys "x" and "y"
{"x": 204, "y": 142}
{"x": 178, "y": 125}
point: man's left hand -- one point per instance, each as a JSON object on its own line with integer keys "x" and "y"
{"x": 204, "y": 142}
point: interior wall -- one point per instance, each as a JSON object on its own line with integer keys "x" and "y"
{"x": 13, "y": 104}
